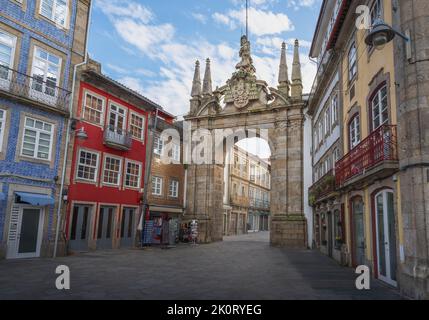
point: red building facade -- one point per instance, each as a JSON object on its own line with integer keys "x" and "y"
{"x": 107, "y": 164}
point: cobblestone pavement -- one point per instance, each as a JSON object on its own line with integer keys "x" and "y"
{"x": 243, "y": 267}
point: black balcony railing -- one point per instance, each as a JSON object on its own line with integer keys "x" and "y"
{"x": 34, "y": 88}
{"x": 117, "y": 138}
{"x": 322, "y": 188}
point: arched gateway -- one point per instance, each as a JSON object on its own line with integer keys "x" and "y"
{"x": 249, "y": 104}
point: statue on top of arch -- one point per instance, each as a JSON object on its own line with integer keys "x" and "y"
{"x": 246, "y": 63}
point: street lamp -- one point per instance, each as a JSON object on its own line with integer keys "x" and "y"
{"x": 381, "y": 33}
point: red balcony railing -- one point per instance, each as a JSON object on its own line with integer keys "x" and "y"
{"x": 378, "y": 147}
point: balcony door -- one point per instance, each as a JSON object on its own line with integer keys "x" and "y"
{"x": 386, "y": 237}
{"x": 117, "y": 119}
{"x": 46, "y": 72}
{"x": 7, "y": 53}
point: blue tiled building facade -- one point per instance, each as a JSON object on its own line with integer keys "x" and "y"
{"x": 37, "y": 55}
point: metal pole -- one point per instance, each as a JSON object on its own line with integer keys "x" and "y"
{"x": 149, "y": 153}
{"x": 247, "y": 19}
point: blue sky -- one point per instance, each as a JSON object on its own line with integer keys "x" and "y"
{"x": 151, "y": 46}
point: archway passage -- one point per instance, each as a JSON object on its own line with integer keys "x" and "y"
{"x": 246, "y": 106}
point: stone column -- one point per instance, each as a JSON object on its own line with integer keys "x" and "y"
{"x": 412, "y": 79}
{"x": 288, "y": 224}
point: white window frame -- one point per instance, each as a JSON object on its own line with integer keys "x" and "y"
{"x": 12, "y": 57}
{"x": 127, "y": 161}
{"x": 84, "y": 107}
{"x": 96, "y": 166}
{"x": 354, "y": 132}
{"x": 158, "y": 145}
{"x": 2, "y": 127}
{"x": 46, "y": 62}
{"x": 52, "y": 17}
{"x": 37, "y": 143}
{"x": 119, "y": 106}
{"x": 119, "y": 171}
{"x": 142, "y": 128}
{"x": 327, "y": 121}
{"x": 352, "y": 61}
{"x": 173, "y": 188}
{"x": 176, "y": 152}
{"x": 158, "y": 185}
{"x": 335, "y": 110}
{"x": 379, "y": 107}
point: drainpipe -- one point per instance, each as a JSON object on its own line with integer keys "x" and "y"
{"x": 64, "y": 170}
{"x": 148, "y": 174}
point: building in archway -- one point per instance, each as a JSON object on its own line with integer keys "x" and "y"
{"x": 246, "y": 193}
{"x": 246, "y": 104}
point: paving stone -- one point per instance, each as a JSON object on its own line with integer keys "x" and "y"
{"x": 242, "y": 267}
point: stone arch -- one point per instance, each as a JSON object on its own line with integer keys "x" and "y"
{"x": 250, "y": 105}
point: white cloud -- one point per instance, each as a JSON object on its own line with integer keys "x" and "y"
{"x": 263, "y": 22}
{"x": 200, "y": 17}
{"x": 297, "y": 4}
{"x": 172, "y": 87}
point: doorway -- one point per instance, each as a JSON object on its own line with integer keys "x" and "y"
{"x": 80, "y": 227}
{"x": 358, "y": 232}
{"x": 386, "y": 237}
{"x": 128, "y": 227}
{"x": 29, "y": 232}
{"x": 330, "y": 235}
{"x": 105, "y": 228}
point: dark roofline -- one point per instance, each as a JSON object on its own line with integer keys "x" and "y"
{"x": 154, "y": 105}
{"x": 319, "y": 21}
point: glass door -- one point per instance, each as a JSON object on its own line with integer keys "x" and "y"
{"x": 80, "y": 227}
{"x": 30, "y": 232}
{"x": 359, "y": 233}
{"x": 386, "y": 237}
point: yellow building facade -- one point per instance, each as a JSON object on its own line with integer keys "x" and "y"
{"x": 367, "y": 181}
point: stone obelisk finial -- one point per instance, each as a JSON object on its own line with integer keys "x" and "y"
{"x": 196, "y": 83}
{"x": 296, "y": 74}
{"x": 284, "y": 84}
{"x": 207, "y": 82}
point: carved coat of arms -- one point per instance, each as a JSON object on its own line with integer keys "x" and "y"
{"x": 240, "y": 94}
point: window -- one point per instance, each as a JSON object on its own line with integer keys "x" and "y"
{"x": 354, "y": 131}
{"x": 7, "y": 52}
{"x": 334, "y": 108}
{"x": 327, "y": 128}
{"x": 320, "y": 132}
{"x": 87, "y": 166}
{"x": 336, "y": 156}
{"x": 132, "y": 175}
{"x": 37, "y": 139}
{"x": 352, "y": 62}
{"x": 173, "y": 190}
{"x": 376, "y": 10}
{"x": 380, "y": 110}
{"x": 93, "y": 109}
{"x": 2, "y": 126}
{"x": 137, "y": 124}
{"x": 117, "y": 118}
{"x": 176, "y": 152}
{"x": 46, "y": 72}
{"x": 55, "y": 10}
{"x": 157, "y": 186}
{"x": 158, "y": 145}
{"x": 112, "y": 171}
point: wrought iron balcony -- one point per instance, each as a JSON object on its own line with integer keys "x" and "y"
{"x": 33, "y": 89}
{"x": 322, "y": 189}
{"x": 261, "y": 204}
{"x": 117, "y": 138}
{"x": 376, "y": 155}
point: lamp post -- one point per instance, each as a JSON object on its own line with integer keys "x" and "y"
{"x": 381, "y": 33}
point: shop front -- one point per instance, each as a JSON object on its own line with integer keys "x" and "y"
{"x": 162, "y": 226}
